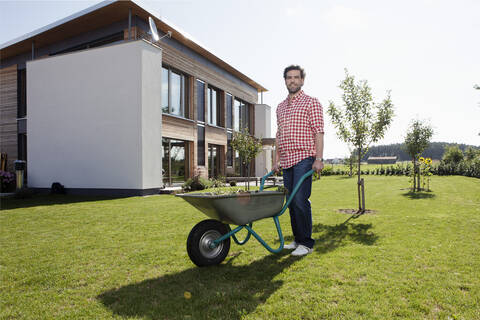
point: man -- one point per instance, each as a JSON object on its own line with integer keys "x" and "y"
{"x": 299, "y": 148}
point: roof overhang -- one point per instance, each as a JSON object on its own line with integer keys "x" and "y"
{"x": 102, "y": 14}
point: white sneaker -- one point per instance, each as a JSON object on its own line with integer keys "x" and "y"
{"x": 291, "y": 246}
{"x": 301, "y": 251}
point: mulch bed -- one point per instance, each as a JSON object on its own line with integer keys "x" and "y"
{"x": 355, "y": 211}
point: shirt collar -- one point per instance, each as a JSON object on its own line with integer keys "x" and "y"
{"x": 298, "y": 96}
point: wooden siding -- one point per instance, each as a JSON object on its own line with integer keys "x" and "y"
{"x": 8, "y": 114}
{"x": 177, "y": 128}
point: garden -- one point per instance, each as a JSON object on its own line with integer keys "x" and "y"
{"x": 413, "y": 256}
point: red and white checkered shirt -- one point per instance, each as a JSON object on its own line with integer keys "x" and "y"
{"x": 298, "y": 121}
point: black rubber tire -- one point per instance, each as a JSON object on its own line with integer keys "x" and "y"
{"x": 200, "y": 236}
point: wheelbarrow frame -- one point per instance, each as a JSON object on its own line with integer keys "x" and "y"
{"x": 275, "y": 219}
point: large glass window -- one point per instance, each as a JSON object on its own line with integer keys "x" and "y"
{"x": 236, "y": 115}
{"x": 213, "y": 103}
{"x": 175, "y": 161}
{"x": 174, "y": 93}
{"x": 200, "y": 101}
{"x": 229, "y": 105}
{"x": 201, "y": 146}
{"x": 241, "y": 115}
{"x": 213, "y": 160}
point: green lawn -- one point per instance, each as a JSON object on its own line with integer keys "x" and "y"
{"x": 416, "y": 257}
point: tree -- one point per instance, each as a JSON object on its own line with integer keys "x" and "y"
{"x": 417, "y": 140}
{"x": 471, "y": 154}
{"x": 360, "y": 121}
{"x": 248, "y": 147}
{"x": 453, "y": 155}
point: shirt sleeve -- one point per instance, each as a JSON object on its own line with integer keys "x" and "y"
{"x": 316, "y": 117}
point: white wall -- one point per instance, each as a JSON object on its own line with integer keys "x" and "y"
{"x": 94, "y": 118}
{"x": 263, "y": 121}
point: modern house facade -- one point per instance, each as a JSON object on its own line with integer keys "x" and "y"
{"x": 91, "y": 103}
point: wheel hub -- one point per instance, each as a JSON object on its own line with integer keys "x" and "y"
{"x": 207, "y": 241}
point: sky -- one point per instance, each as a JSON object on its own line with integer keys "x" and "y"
{"x": 425, "y": 52}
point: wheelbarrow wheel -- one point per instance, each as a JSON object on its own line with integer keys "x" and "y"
{"x": 200, "y": 238}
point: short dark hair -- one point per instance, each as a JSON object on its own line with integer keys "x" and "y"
{"x": 294, "y": 67}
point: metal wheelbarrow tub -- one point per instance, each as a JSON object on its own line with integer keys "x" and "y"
{"x": 238, "y": 208}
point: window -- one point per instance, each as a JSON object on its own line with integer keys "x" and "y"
{"x": 241, "y": 115}
{"x": 113, "y": 38}
{"x": 22, "y": 93}
{"x": 174, "y": 92}
{"x": 229, "y": 150}
{"x": 200, "y": 101}
{"x": 201, "y": 146}
{"x": 229, "y": 103}
{"x": 213, "y": 103}
{"x": 236, "y": 115}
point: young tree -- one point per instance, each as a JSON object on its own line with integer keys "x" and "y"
{"x": 453, "y": 155}
{"x": 360, "y": 121}
{"x": 417, "y": 140}
{"x": 248, "y": 147}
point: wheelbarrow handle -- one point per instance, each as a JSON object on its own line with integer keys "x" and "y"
{"x": 262, "y": 182}
{"x": 295, "y": 189}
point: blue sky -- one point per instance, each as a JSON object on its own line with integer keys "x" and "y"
{"x": 426, "y": 52}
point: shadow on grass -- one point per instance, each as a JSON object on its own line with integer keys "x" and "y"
{"x": 47, "y": 200}
{"x": 338, "y": 235}
{"x": 218, "y": 292}
{"x": 419, "y": 195}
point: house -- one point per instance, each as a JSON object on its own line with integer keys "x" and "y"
{"x": 89, "y": 101}
{"x": 382, "y": 160}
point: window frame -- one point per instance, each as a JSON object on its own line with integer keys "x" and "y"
{"x": 184, "y": 92}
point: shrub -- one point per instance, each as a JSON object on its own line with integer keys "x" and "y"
{"x": 7, "y": 181}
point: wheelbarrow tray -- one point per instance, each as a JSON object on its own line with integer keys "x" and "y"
{"x": 238, "y": 208}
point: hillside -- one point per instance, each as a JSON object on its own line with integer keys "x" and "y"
{"x": 434, "y": 151}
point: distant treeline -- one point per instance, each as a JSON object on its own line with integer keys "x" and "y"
{"x": 434, "y": 151}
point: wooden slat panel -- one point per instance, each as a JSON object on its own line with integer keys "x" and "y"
{"x": 8, "y": 113}
{"x": 177, "y": 128}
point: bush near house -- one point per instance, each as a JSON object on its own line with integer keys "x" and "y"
{"x": 7, "y": 181}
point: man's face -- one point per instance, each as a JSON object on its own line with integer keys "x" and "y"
{"x": 294, "y": 81}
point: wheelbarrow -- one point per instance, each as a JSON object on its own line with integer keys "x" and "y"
{"x": 209, "y": 241}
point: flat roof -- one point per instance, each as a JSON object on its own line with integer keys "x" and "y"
{"x": 104, "y": 13}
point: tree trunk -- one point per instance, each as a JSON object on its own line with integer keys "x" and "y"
{"x": 248, "y": 176}
{"x": 360, "y": 200}
{"x": 414, "y": 175}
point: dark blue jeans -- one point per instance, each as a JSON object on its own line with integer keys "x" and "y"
{"x": 300, "y": 209}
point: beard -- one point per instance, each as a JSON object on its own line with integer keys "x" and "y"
{"x": 293, "y": 90}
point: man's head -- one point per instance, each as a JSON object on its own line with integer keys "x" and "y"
{"x": 294, "y": 76}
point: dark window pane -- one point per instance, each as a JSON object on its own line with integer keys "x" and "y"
{"x": 229, "y": 150}
{"x": 164, "y": 90}
{"x": 229, "y": 111}
{"x": 22, "y": 147}
{"x": 22, "y": 93}
{"x": 201, "y": 146}
{"x": 200, "y": 101}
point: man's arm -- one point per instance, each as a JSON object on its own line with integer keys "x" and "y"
{"x": 276, "y": 161}
{"x": 318, "y": 164}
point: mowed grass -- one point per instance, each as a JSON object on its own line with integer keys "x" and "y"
{"x": 416, "y": 257}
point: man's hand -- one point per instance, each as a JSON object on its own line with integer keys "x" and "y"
{"x": 276, "y": 167}
{"x": 317, "y": 166}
